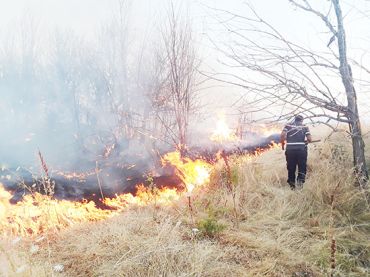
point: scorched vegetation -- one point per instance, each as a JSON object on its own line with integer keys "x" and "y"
{"x": 243, "y": 221}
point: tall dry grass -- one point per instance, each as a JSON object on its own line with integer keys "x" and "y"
{"x": 279, "y": 232}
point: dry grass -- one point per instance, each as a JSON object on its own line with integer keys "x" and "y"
{"x": 277, "y": 232}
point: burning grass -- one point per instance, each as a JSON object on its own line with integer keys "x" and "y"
{"x": 193, "y": 173}
{"x": 279, "y": 232}
{"x": 38, "y": 213}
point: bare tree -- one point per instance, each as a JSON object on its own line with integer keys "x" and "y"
{"x": 278, "y": 72}
{"x": 175, "y": 97}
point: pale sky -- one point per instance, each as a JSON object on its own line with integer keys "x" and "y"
{"x": 85, "y": 17}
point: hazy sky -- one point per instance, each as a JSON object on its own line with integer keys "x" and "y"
{"x": 85, "y": 17}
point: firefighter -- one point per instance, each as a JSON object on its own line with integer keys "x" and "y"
{"x": 296, "y": 135}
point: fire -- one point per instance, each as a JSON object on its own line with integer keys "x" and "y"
{"x": 272, "y": 145}
{"x": 193, "y": 173}
{"x": 37, "y": 213}
{"x": 144, "y": 196}
{"x": 223, "y": 133}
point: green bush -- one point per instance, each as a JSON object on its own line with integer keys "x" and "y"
{"x": 209, "y": 227}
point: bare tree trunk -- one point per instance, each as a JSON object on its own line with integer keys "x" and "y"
{"x": 353, "y": 115}
{"x": 297, "y": 77}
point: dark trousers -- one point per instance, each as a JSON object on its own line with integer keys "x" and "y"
{"x": 294, "y": 158}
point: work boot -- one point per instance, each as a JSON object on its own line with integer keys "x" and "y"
{"x": 300, "y": 184}
{"x": 292, "y": 185}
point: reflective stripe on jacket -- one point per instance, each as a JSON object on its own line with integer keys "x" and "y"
{"x": 296, "y": 135}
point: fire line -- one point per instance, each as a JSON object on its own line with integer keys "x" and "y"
{"x": 30, "y": 211}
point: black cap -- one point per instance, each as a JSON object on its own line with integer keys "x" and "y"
{"x": 298, "y": 118}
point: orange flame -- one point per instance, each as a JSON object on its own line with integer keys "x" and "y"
{"x": 144, "y": 196}
{"x": 37, "y": 213}
{"x": 272, "y": 145}
{"x": 192, "y": 173}
{"x": 223, "y": 133}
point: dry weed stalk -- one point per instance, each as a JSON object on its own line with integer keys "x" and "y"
{"x": 98, "y": 178}
{"x": 47, "y": 183}
{"x": 230, "y": 186}
{"x": 43, "y": 164}
{"x": 190, "y": 206}
{"x": 153, "y": 195}
{"x": 333, "y": 246}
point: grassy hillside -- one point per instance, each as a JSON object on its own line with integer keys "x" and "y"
{"x": 255, "y": 227}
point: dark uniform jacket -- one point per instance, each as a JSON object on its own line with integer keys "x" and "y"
{"x": 296, "y": 135}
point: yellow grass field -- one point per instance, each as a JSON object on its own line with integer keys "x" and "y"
{"x": 259, "y": 228}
